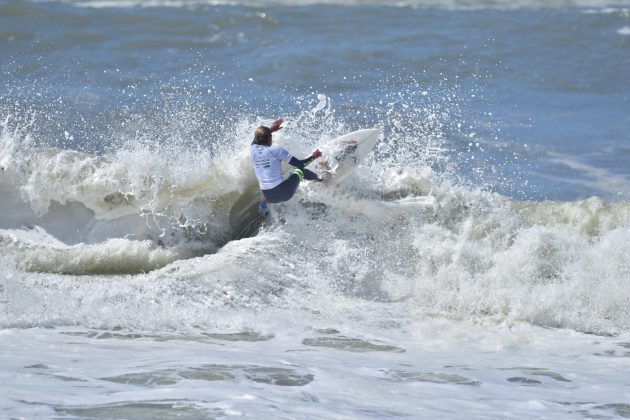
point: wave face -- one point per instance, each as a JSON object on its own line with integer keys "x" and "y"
{"x": 397, "y": 231}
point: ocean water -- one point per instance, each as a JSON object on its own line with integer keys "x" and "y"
{"x": 476, "y": 265}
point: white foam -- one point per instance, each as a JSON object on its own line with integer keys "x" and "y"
{"x": 448, "y": 369}
{"x": 396, "y": 230}
{"x": 388, "y": 292}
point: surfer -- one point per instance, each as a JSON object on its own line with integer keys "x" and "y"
{"x": 267, "y": 161}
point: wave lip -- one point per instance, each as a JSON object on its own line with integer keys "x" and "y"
{"x": 36, "y": 251}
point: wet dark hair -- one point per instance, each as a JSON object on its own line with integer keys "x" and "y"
{"x": 262, "y": 136}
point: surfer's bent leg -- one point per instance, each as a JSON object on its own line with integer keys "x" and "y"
{"x": 285, "y": 190}
{"x": 288, "y": 187}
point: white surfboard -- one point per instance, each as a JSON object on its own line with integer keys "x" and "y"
{"x": 345, "y": 153}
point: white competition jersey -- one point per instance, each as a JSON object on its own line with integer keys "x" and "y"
{"x": 267, "y": 162}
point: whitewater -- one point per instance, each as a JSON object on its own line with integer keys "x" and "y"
{"x": 476, "y": 265}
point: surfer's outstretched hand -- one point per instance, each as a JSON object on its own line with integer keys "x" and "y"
{"x": 316, "y": 154}
{"x": 276, "y": 125}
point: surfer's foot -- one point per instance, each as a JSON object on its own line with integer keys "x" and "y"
{"x": 263, "y": 209}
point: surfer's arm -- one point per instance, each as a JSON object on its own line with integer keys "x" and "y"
{"x": 301, "y": 164}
